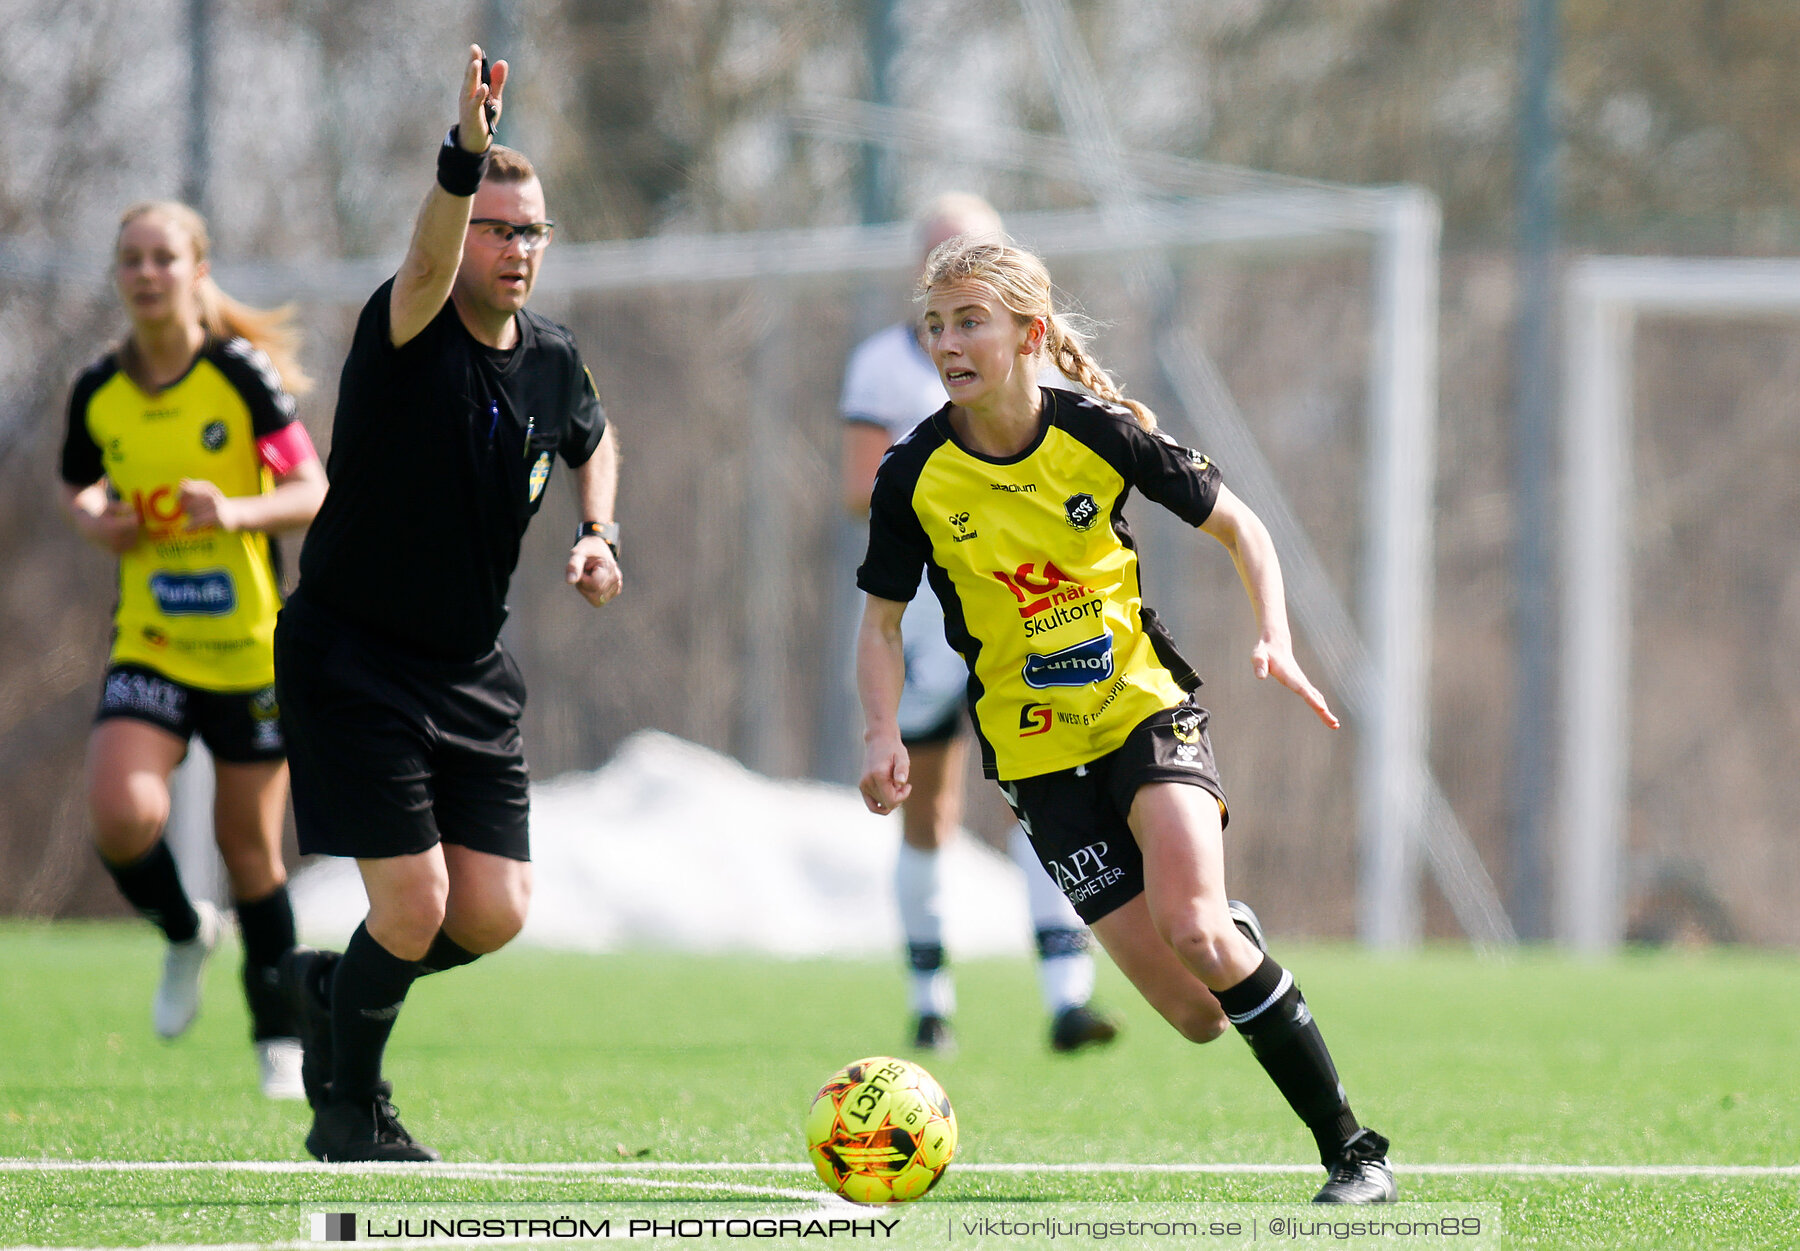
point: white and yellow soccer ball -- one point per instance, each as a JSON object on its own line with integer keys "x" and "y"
{"x": 881, "y": 1131}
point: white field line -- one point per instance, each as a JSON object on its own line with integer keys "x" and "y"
{"x": 632, "y": 1169}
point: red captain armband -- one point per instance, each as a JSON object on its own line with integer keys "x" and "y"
{"x": 286, "y": 450}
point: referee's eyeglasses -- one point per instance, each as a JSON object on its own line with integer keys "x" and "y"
{"x": 496, "y": 233}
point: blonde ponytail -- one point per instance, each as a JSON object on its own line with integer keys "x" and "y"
{"x": 1022, "y": 282}
{"x": 269, "y": 330}
{"x": 1067, "y": 349}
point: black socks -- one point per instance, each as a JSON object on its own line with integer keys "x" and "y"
{"x": 925, "y": 957}
{"x": 267, "y": 927}
{"x": 1271, "y": 1014}
{"x": 446, "y": 953}
{"x": 367, "y": 989}
{"x": 152, "y": 886}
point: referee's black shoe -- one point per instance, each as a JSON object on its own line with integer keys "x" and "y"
{"x": 303, "y": 974}
{"x": 1361, "y": 1174}
{"x": 1244, "y": 917}
{"x": 366, "y": 1129}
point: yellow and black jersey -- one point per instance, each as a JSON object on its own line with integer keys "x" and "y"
{"x": 197, "y": 606}
{"x": 1036, "y": 568}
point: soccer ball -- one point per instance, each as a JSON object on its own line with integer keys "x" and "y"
{"x": 881, "y": 1131}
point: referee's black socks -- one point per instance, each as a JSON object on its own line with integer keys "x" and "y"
{"x": 367, "y": 989}
{"x": 152, "y": 886}
{"x": 446, "y": 953}
{"x": 1271, "y": 1014}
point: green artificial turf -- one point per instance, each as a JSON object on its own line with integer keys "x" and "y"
{"x": 644, "y": 1060}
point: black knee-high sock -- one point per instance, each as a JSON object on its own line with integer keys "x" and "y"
{"x": 267, "y": 926}
{"x": 1271, "y": 1014}
{"x": 446, "y": 953}
{"x": 152, "y": 886}
{"x": 367, "y": 990}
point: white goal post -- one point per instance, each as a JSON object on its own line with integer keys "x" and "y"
{"x": 1602, "y": 300}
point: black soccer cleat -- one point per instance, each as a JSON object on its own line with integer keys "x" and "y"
{"x": 932, "y": 1033}
{"x": 1080, "y": 1026}
{"x": 1361, "y": 1174}
{"x": 366, "y": 1129}
{"x": 1244, "y": 917}
{"x": 303, "y": 973}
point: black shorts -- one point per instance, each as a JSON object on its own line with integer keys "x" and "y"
{"x": 1077, "y": 818}
{"x": 238, "y": 727}
{"x": 392, "y": 752}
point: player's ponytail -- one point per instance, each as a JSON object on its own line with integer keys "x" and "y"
{"x": 1066, "y": 348}
{"x": 269, "y": 330}
{"x": 1022, "y": 282}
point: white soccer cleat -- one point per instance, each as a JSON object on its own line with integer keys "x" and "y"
{"x": 177, "y": 1000}
{"x": 279, "y": 1059}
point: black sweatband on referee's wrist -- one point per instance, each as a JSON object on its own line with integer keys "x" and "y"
{"x": 606, "y": 531}
{"x": 460, "y": 171}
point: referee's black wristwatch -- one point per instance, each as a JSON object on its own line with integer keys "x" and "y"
{"x": 606, "y": 531}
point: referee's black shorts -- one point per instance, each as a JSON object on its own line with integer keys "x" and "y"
{"x": 391, "y": 752}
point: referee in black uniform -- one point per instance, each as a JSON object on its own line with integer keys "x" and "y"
{"x": 400, "y": 706}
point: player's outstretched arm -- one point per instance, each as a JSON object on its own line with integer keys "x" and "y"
{"x": 432, "y": 258}
{"x": 880, "y": 675}
{"x": 1253, "y": 552}
{"x": 592, "y": 568}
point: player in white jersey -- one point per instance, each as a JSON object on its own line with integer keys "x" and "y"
{"x": 890, "y": 385}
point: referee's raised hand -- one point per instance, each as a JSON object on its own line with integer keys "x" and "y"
{"x": 479, "y": 111}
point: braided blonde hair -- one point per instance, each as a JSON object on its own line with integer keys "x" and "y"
{"x": 269, "y": 330}
{"x": 1022, "y": 283}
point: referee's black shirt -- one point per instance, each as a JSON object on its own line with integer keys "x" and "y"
{"x": 440, "y": 453}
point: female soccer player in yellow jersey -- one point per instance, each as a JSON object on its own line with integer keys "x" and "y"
{"x": 890, "y": 385}
{"x": 182, "y": 457}
{"x": 1010, "y": 499}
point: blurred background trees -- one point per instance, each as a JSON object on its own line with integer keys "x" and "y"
{"x": 674, "y": 117}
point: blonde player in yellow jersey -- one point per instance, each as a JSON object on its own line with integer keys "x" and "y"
{"x": 1010, "y": 501}
{"x": 182, "y": 457}
{"x": 890, "y": 385}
